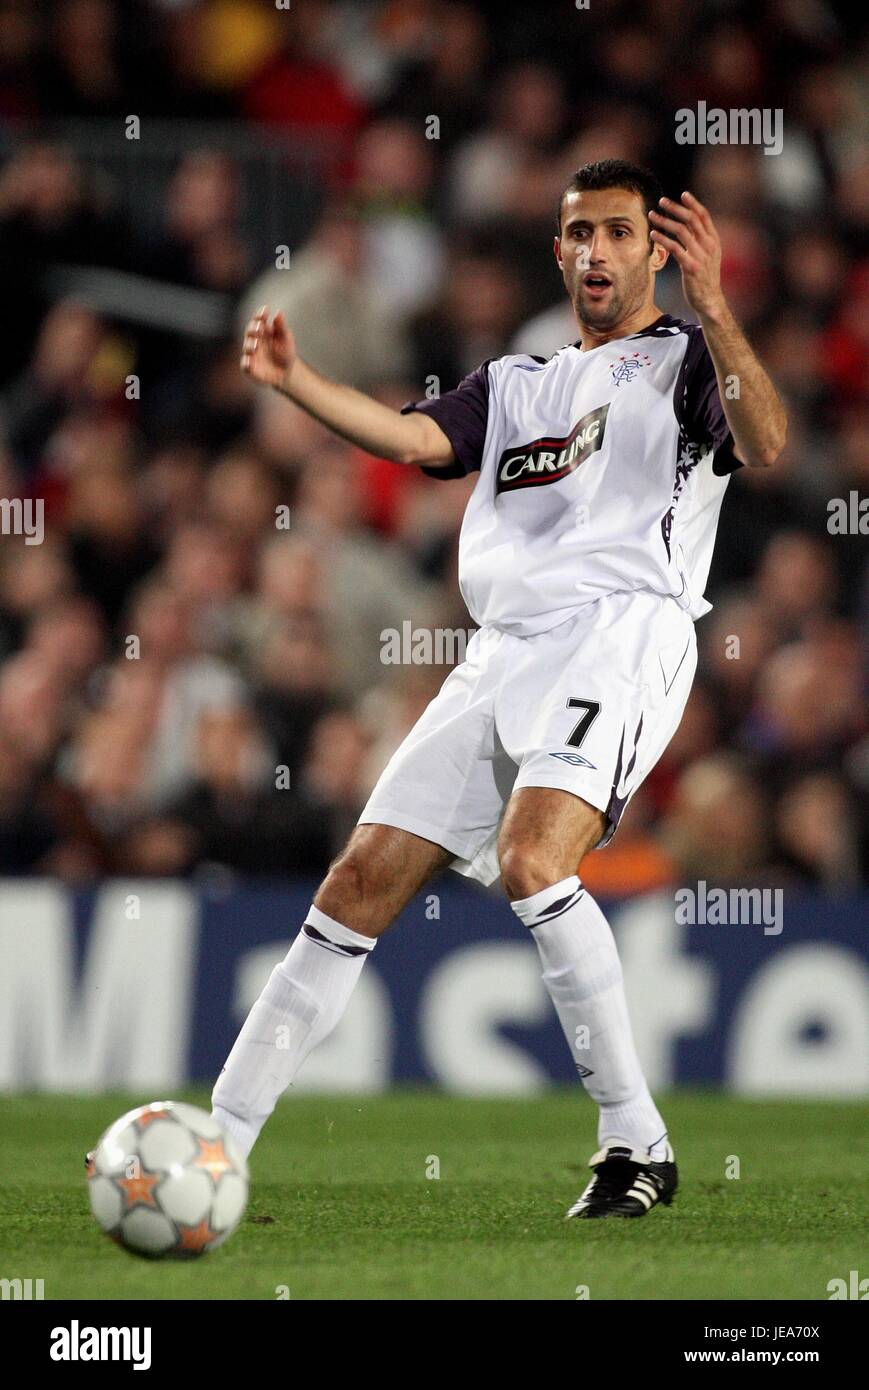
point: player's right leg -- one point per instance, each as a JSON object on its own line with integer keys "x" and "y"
{"x": 438, "y": 801}
{"x": 377, "y": 874}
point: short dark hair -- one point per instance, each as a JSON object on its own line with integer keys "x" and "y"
{"x": 613, "y": 173}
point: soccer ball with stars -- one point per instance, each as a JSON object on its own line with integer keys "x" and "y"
{"x": 164, "y": 1180}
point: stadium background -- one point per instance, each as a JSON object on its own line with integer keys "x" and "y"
{"x": 283, "y": 156}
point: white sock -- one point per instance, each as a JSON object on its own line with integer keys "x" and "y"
{"x": 583, "y": 974}
{"x": 303, "y": 1000}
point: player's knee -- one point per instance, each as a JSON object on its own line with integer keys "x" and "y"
{"x": 348, "y": 882}
{"x": 526, "y": 869}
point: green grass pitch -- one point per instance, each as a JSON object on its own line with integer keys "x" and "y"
{"x": 342, "y": 1208}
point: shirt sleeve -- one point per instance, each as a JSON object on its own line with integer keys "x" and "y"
{"x": 698, "y": 405}
{"x": 463, "y": 415}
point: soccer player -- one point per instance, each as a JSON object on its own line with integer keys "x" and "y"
{"x": 584, "y": 553}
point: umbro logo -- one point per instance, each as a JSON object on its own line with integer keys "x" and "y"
{"x": 548, "y": 460}
{"x": 575, "y": 759}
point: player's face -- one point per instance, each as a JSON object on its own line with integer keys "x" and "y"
{"x": 605, "y": 255}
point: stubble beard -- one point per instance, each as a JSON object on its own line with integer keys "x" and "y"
{"x": 623, "y": 302}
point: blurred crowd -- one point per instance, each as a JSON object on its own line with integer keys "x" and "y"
{"x": 190, "y": 661}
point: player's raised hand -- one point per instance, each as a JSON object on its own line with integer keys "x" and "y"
{"x": 269, "y": 349}
{"x": 687, "y": 231}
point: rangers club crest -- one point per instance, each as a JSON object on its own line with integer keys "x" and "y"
{"x": 628, "y": 366}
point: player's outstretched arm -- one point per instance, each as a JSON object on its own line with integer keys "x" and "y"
{"x": 269, "y": 356}
{"x": 755, "y": 413}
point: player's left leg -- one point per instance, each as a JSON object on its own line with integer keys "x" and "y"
{"x": 544, "y": 836}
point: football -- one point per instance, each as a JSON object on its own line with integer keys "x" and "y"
{"x": 165, "y": 1181}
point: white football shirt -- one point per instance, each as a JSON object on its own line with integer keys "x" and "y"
{"x": 599, "y": 472}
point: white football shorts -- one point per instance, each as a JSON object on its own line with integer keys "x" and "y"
{"x": 588, "y": 706}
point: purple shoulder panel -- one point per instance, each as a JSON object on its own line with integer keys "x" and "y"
{"x": 463, "y": 415}
{"x": 697, "y": 403}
